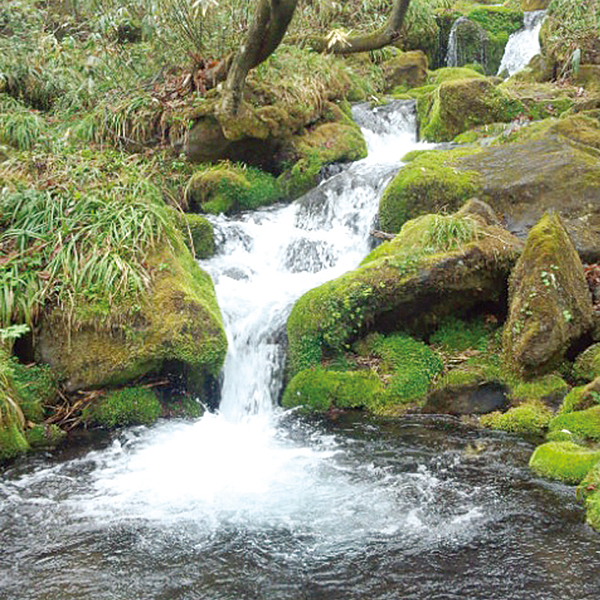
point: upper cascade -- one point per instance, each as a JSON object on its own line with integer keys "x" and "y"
{"x": 523, "y": 45}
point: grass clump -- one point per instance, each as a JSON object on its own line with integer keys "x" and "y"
{"x": 127, "y": 406}
{"x": 12, "y": 420}
{"x": 529, "y": 418}
{"x": 457, "y": 335}
{"x": 74, "y": 250}
{"x": 563, "y": 461}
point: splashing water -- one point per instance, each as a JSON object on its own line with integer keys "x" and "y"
{"x": 523, "y": 45}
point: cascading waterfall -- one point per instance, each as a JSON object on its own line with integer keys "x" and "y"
{"x": 267, "y": 259}
{"x": 254, "y": 502}
{"x": 522, "y": 45}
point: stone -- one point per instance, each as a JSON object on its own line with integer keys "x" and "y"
{"x": 409, "y": 69}
{"x": 550, "y": 306}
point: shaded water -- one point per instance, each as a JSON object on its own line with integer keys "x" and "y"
{"x": 258, "y": 503}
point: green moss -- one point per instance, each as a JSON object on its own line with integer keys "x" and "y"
{"x": 45, "y": 436}
{"x": 531, "y": 417}
{"x": 12, "y": 441}
{"x": 228, "y": 188}
{"x": 340, "y": 141}
{"x": 564, "y": 461}
{"x": 500, "y": 22}
{"x": 425, "y": 185}
{"x": 460, "y": 105}
{"x": 319, "y": 390}
{"x": 589, "y": 492}
{"x": 36, "y": 386}
{"x": 581, "y": 424}
{"x": 587, "y": 364}
{"x": 127, "y": 406}
{"x": 548, "y": 386}
{"x": 457, "y": 335}
{"x": 573, "y": 400}
{"x": 411, "y": 365}
{"x": 202, "y": 235}
{"x": 445, "y": 74}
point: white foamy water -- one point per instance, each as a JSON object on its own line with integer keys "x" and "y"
{"x": 242, "y": 469}
{"x": 523, "y": 45}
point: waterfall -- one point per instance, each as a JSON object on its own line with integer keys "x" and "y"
{"x": 523, "y": 45}
{"x": 452, "y": 55}
{"x": 267, "y": 259}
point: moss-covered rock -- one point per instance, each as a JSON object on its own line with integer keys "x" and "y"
{"x": 551, "y": 164}
{"x": 534, "y": 4}
{"x": 178, "y": 320}
{"x": 328, "y": 143}
{"x": 408, "y": 69}
{"x": 587, "y": 364}
{"x": 126, "y": 406}
{"x": 563, "y": 461}
{"x": 482, "y": 36}
{"x": 529, "y": 418}
{"x": 35, "y": 386}
{"x": 319, "y": 390}
{"x": 12, "y": 421}
{"x": 45, "y": 437}
{"x": 582, "y": 425}
{"x": 589, "y": 492}
{"x": 550, "y": 305}
{"x": 446, "y": 263}
{"x": 456, "y": 106}
{"x": 201, "y": 235}
{"x": 228, "y": 188}
{"x": 427, "y": 184}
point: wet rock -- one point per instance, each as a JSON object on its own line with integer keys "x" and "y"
{"x": 409, "y": 69}
{"x": 467, "y": 400}
{"x": 550, "y": 304}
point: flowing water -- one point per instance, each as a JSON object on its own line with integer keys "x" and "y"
{"x": 523, "y": 45}
{"x": 257, "y": 503}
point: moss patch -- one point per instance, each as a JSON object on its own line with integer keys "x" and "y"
{"x": 530, "y": 418}
{"x": 425, "y": 185}
{"x": 127, "y": 406}
{"x": 228, "y": 188}
{"x": 563, "y": 461}
{"x": 580, "y": 425}
{"x": 587, "y": 364}
{"x": 320, "y": 390}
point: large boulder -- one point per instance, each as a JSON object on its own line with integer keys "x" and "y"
{"x": 436, "y": 265}
{"x": 460, "y": 105}
{"x": 407, "y": 69}
{"x": 177, "y": 321}
{"x": 551, "y": 164}
{"x": 550, "y": 304}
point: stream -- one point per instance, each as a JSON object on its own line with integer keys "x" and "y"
{"x": 254, "y": 502}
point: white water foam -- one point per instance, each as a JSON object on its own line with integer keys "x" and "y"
{"x": 523, "y": 45}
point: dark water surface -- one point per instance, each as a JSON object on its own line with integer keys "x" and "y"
{"x": 424, "y": 507}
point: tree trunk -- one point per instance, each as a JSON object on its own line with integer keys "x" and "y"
{"x": 267, "y": 29}
{"x": 380, "y": 38}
